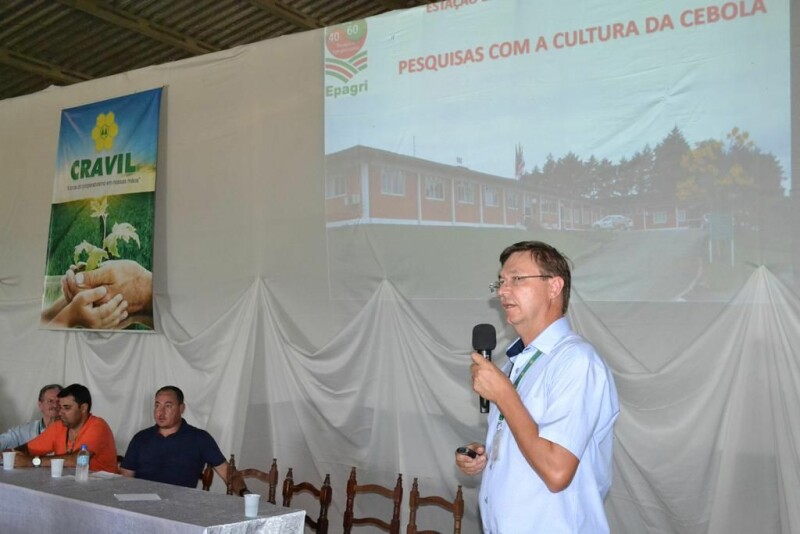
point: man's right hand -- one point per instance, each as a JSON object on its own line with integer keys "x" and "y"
{"x": 125, "y": 277}
{"x": 472, "y": 466}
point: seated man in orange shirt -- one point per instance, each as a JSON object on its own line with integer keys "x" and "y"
{"x": 76, "y": 427}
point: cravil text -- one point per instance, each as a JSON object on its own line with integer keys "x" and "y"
{"x": 105, "y": 166}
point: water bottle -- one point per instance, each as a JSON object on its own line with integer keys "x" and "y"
{"x": 82, "y": 465}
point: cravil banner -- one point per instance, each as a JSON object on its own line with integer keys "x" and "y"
{"x": 98, "y": 274}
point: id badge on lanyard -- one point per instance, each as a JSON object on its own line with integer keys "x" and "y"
{"x": 501, "y": 426}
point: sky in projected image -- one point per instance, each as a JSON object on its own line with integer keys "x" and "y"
{"x": 606, "y": 99}
{"x": 465, "y": 87}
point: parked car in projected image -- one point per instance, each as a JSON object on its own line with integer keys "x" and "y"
{"x": 613, "y": 222}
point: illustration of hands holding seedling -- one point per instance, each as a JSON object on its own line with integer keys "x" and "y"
{"x": 99, "y": 292}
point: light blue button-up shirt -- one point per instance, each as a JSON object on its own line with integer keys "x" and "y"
{"x": 20, "y": 434}
{"x": 569, "y": 391}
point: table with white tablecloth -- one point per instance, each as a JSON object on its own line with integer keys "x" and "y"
{"x": 32, "y": 501}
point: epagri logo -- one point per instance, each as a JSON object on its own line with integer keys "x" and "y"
{"x": 346, "y": 59}
{"x": 103, "y": 134}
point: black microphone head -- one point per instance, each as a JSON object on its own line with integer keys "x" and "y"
{"x": 484, "y": 337}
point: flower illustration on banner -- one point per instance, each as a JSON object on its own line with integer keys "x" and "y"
{"x": 88, "y": 256}
{"x": 104, "y": 131}
{"x": 99, "y": 207}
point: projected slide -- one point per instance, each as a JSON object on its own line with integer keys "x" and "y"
{"x": 650, "y": 141}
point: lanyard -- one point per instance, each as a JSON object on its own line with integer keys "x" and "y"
{"x": 67, "y": 442}
{"x": 74, "y": 441}
{"x": 522, "y": 373}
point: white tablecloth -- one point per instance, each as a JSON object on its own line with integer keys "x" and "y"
{"x": 32, "y": 501}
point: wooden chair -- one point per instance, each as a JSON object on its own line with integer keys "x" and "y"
{"x": 236, "y": 478}
{"x": 207, "y": 477}
{"x": 396, "y": 495}
{"x": 324, "y": 495}
{"x": 456, "y": 507}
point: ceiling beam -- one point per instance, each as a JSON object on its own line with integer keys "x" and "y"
{"x": 281, "y": 10}
{"x": 394, "y": 4}
{"x": 41, "y": 68}
{"x": 141, "y": 25}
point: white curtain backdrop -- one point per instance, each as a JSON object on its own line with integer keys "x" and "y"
{"x": 280, "y": 359}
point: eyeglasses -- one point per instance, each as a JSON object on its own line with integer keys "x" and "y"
{"x": 513, "y": 281}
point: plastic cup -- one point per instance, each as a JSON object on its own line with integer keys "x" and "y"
{"x": 251, "y": 504}
{"x": 8, "y": 460}
{"x": 56, "y": 467}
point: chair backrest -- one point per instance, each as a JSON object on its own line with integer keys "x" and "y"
{"x": 324, "y": 495}
{"x": 236, "y": 478}
{"x": 456, "y": 507}
{"x": 207, "y": 477}
{"x": 396, "y": 495}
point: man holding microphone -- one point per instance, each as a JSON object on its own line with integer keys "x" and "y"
{"x": 546, "y": 464}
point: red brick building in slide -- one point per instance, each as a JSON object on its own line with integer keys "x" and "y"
{"x": 365, "y": 185}
{"x": 370, "y": 186}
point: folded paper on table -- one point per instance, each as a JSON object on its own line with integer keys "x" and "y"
{"x": 137, "y": 496}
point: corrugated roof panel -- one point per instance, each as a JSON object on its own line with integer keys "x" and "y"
{"x": 44, "y": 42}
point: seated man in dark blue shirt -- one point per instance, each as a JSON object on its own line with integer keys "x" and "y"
{"x": 172, "y": 451}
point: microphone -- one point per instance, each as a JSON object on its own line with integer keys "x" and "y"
{"x": 484, "y": 340}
